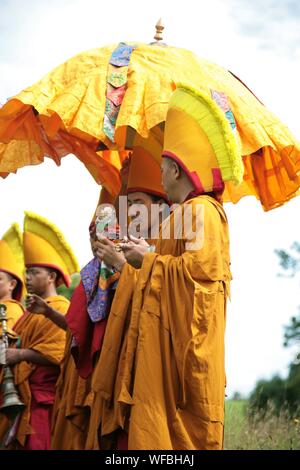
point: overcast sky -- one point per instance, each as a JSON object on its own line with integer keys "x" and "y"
{"x": 258, "y": 40}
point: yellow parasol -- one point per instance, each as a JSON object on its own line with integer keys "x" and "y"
{"x": 114, "y": 98}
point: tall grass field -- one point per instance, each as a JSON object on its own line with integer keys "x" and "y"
{"x": 269, "y": 432}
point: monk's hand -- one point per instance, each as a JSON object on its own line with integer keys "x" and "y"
{"x": 14, "y": 356}
{"x": 135, "y": 251}
{"x": 106, "y": 251}
{"x": 35, "y": 304}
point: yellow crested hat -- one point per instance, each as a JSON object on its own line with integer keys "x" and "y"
{"x": 12, "y": 258}
{"x": 44, "y": 245}
{"x": 200, "y": 135}
{"x": 144, "y": 174}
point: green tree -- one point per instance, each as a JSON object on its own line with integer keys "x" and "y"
{"x": 290, "y": 260}
{"x": 290, "y": 263}
{"x": 283, "y": 392}
{"x": 68, "y": 291}
{"x": 266, "y": 392}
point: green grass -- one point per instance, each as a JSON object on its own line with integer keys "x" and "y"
{"x": 268, "y": 433}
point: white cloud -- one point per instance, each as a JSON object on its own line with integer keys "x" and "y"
{"x": 275, "y": 25}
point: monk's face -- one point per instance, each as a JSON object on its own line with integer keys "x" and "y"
{"x": 169, "y": 178}
{"x": 38, "y": 280}
{"x": 7, "y": 285}
{"x": 144, "y": 201}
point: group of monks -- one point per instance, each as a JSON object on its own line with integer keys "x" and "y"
{"x": 136, "y": 359}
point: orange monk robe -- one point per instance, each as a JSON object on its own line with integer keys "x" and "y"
{"x": 107, "y": 415}
{"x": 72, "y": 405}
{"x": 73, "y": 398}
{"x": 172, "y": 382}
{"x": 36, "y": 383}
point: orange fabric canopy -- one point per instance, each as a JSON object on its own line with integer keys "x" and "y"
{"x": 97, "y": 103}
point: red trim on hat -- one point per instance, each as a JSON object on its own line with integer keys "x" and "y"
{"x": 17, "y": 293}
{"x": 194, "y": 178}
{"x": 218, "y": 183}
{"x": 65, "y": 278}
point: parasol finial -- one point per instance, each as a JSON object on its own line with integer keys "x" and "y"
{"x": 159, "y": 29}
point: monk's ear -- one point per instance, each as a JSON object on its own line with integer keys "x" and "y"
{"x": 53, "y": 276}
{"x": 13, "y": 284}
{"x": 176, "y": 170}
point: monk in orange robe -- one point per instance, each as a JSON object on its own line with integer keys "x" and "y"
{"x": 74, "y": 397}
{"x": 49, "y": 261}
{"x": 71, "y": 410}
{"x": 12, "y": 275}
{"x": 144, "y": 191}
{"x": 167, "y": 385}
